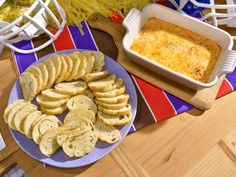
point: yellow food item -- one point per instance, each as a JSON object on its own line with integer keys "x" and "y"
{"x": 177, "y": 48}
{"x": 76, "y": 10}
{"x": 79, "y": 10}
{"x": 23, "y": 2}
{"x": 10, "y": 12}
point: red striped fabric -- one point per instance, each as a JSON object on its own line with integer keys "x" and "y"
{"x": 224, "y": 89}
{"x": 163, "y": 2}
{"x": 156, "y": 100}
{"x": 64, "y": 41}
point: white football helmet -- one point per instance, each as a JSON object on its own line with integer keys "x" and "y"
{"x": 211, "y": 12}
{"x": 35, "y": 22}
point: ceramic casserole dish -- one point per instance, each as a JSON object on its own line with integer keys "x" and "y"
{"x": 135, "y": 20}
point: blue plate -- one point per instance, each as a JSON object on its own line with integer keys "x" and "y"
{"x": 60, "y": 159}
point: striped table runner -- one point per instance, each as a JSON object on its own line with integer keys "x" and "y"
{"x": 155, "y": 104}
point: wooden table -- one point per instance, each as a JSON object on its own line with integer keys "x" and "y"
{"x": 194, "y": 143}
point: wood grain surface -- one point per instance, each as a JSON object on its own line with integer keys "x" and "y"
{"x": 195, "y": 143}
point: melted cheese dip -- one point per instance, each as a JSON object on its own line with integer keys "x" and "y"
{"x": 177, "y": 48}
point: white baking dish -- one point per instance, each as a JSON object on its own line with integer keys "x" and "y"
{"x": 135, "y": 20}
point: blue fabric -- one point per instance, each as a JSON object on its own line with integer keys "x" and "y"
{"x": 192, "y": 10}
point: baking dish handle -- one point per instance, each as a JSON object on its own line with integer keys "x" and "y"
{"x": 129, "y": 20}
{"x": 229, "y": 63}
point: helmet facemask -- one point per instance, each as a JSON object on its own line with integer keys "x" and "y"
{"x": 32, "y": 23}
{"x": 220, "y": 15}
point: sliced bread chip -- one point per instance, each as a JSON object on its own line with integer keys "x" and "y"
{"x": 113, "y": 93}
{"x": 49, "y": 103}
{"x": 11, "y": 106}
{"x": 81, "y": 101}
{"x": 45, "y": 74}
{"x": 76, "y": 65}
{"x": 64, "y": 69}
{"x": 80, "y": 145}
{"x": 21, "y": 115}
{"x": 48, "y": 144}
{"x": 50, "y": 121}
{"x": 122, "y": 111}
{"x": 54, "y": 95}
{"x": 69, "y": 63}
{"x": 29, "y": 85}
{"x": 82, "y": 68}
{"x": 65, "y": 134}
{"x": 107, "y": 133}
{"x": 29, "y": 121}
{"x": 51, "y": 72}
{"x": 12, "y": 113}
{"x": 99, "y": 61}
{"x": 71, "y": 88}
{"x": 88, "y": 93}
{"x": 115, "y": 120}
{"x": 74, "y": 127}
{"x": 54, "y": 111}
{"x": 90, "y": 61}
{"x": 78, "y": 123}
{"x": 42, "y": 125}
{"x": 38, "y": 75}
{"x": 118, "y": 99}
{"x": 78, "y": 113}
{"x": 95, "y": 76}
{"x": 112, "y": 106}
{"x": 57, "y": 64}
{"x": 103, "y": 83}
{"x": 118, "y": 83}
